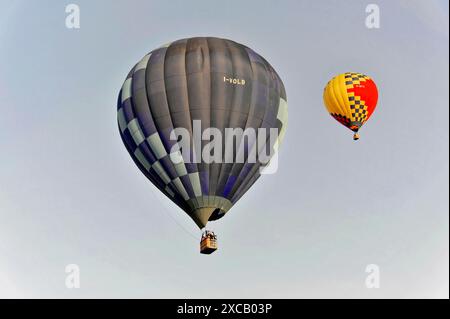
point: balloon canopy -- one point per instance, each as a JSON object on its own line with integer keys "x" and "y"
{"x": 351, "y": 99}
{"x": 218, "y": 83}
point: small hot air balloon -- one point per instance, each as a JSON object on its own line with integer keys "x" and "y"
{"x": 351, "y": 99}
{"x": 218, "y": 82}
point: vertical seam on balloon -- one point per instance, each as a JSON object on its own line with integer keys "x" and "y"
{"x": 257, "y": 165}
{"x": 223, "y": 165}
{"x": 190, "y": 115}
{"x": 163, "y": 165}
{"x": 253, "y": 174}
{"x": 332, "y": 105}
{"x": 210, "y": 112}
{"x": 338, "y": 95}
{"x": 340, "y": 98}
{"x": 233, "y": 165}
{"x": 189, "y": 124}
{"x": 246, "y": 49}
{"x": 202, "y": 166}
{"x": 250, "y": 109}
{"x": 333, "y": 98}
{"x": 129, "y": 148}
{"x": 147, "y": 70}
{"x": 332, "y": 95}
{"x": 347, "y": 101}
{"x": 171, "y": 121}
{"x": 213, "y": 165}
{"x": 256, "y": 174}
{"x": 345, "y": 98}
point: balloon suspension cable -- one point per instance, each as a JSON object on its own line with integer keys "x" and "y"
{"x": 175, "y": 220}
{"x": 182, "y": 227}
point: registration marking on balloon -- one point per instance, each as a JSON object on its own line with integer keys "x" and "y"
{"x": 234, "y": 81}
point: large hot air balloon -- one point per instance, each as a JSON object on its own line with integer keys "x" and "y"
{"x": 351, "y": 99}
{"x": 218, "y": 83}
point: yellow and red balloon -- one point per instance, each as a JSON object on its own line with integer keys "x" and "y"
{"x": 351, "y": 99}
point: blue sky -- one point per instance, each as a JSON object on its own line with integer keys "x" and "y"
{"x": 69, "y": 193}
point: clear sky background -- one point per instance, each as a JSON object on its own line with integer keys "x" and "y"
{"x": 70, "y": 193}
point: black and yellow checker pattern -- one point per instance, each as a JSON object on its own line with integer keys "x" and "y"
{"x": 358, "y": 108}
{"x": 352, "y": 78}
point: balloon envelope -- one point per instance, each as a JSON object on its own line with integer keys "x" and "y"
{"x": 218, "y": 82}
{"x": 351, "y": 99}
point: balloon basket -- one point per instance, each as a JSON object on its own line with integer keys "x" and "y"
{"x": 208, "y": 243}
